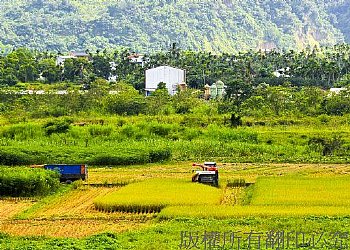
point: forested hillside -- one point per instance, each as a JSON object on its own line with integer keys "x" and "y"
{"x": 148, "y": 25}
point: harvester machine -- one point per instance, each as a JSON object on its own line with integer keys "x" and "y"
{"x": 208, "y": 175}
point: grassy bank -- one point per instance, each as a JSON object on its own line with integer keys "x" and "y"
{"x": 144, "y": 139}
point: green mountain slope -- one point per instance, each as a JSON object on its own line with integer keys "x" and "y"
{"x": 146, "y": 25}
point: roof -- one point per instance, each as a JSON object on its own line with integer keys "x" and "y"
{"x": 164, "y": 67}
{"x": 79, "y": 53}
{"x": 135, "y": 56}
{"x": 66, "y": 57}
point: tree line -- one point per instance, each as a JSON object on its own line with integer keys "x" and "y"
{"x": 275, "y": 81}
{"x": 324, "y": 67}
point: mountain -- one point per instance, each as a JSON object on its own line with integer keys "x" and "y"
{"x": 148, "y": 25}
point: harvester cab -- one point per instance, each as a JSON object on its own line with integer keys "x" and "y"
{"x": 209, "y": 173}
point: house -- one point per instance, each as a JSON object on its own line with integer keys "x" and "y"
{"x": 215, "y": 91}
{"x": 136, "y": 58}
{"x": 60, "y": 59}
{"x": 77, "y": 54}
{"x": 173, "y": 78}
{"x": 337, "y": 90}
{"x": 72, "y": 55}
{"x": 283, "y": 72}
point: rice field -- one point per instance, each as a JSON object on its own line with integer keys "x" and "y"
{"x": 9, "y": 208}
{"x": 302, "y": 191}
{"x": 77, "y": 204}
{"x": 229, "y": 212}
{"x": 154, "y": 194}
{"x": 128, "y": 199}
{"x": 68, "y": 228}
{"x": 293, "y": 196}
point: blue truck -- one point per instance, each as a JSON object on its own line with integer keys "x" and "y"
{"x": 69, "y": 172}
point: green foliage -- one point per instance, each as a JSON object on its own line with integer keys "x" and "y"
{"x": 160, "y": 155}
{"x": 56, "y": 126}
{"x": 13, "y": 157}
{"x": 27, "y": 182}
{"x": 122, "y": 154}
{"x": 337, "y": 104}
{"x": 127, "y": 101}
{"x": 326, "y": 146}
{"x": 143, "y": 139}
{"x": 21, "y": 131}
{"x": 97, "y": 26}
{"x": 119, "y": 158}
{"x": 100, "y": 130}
{"x": 49, "y": 70}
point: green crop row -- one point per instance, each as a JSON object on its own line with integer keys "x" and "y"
{"x": 17, "y": 182}
{"x": 113, "y": 155}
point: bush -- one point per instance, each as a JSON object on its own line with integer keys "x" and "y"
{"x": 12, "y": 157}
{"x": 57, "y": 126}
{"x": 98, "y": 130}
{"x": 159, "y": 155}
{"x": 120, "y": 159}
{"x": 26, "y": 182}
{"x": 160, "y": 129}
{"x": 22, "y": 131}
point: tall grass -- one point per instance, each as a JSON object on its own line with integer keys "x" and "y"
{"x": 137, "y": 140}
{"x": 21, "y": 131}
{"x": 106, "y": 154}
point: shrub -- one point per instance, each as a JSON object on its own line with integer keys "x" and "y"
{"x": 57, "y": 126}
{"x": 22, "y": 131}
{"x": 98, "y": 130}
{"x": 119, "y": 159}
{"x": 27, "y": 182}
{"x": 160, "y": 129}
{"x": 158, "y": 155}
{"x": 12, "y": 157}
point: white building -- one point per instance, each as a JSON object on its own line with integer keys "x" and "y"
{"x": 172, "y": 77}
{"x": 337, "y": 90}
{"x": 137, "y": 58}
{"x": 72, "y": 55}
{"x": 60, "y": 59}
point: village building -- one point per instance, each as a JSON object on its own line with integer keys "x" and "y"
{"x": 72, "y": 55}
{"x": 173, "y": 78}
